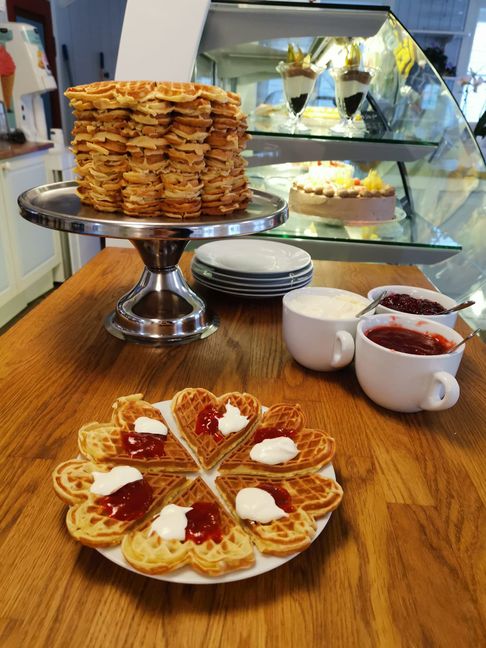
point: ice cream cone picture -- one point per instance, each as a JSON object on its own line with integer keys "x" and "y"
{"x": 7, "y": 76}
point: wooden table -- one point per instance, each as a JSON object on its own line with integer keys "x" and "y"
{"x": 401, "y": 562}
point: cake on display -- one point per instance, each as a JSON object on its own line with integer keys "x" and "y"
{"x": 331, "y": 191}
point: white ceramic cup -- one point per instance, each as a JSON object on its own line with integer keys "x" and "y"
{"x": 318, "y": 343}
{"x": 401, "y": 381}
{"x": 418, "y": 293}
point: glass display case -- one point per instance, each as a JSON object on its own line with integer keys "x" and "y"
{"x": 409, "y": 129}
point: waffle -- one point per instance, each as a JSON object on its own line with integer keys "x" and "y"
{"x": 311, "y": 496}
{"x": 87, "y": 520}
{"x": 150, "y": 554}
{"x": 103, "y": 441}
{"x": 187, "y": 405}
{"x": 154, "y": 129}
{"x": 316, "y": 448}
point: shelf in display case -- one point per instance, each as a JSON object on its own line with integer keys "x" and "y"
{"x": 278, "y": 148}
{"x": 403, "y": 240}
{"x": 230, "y": 22}
{"x": 270, "y": 144}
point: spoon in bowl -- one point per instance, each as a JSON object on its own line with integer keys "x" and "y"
{"x": 457, "y": 308}
{"x": 373, "y": 304}
{"x": 463, "y": 341}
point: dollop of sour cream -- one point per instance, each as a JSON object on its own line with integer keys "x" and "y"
{"x": 146, "y": 425}
{"x": 106, "y": 483}
{"x": 171, "y": 522}
{"x": 257, "y": 505}
{"x": 274, "y": 451}
{"x": 232, "y": 420}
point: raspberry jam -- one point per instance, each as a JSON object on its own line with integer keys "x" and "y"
{"x": 280, "y": 495}
{"x": 406, "y": 340}
{"x": 143, "y": 446}
{"x": 204, "y": 523}
{"x": 408, "y": 304}
{"x": 207, "y": 422}
{"x": 272, "y": 433}
{"x": 129, "y": 502}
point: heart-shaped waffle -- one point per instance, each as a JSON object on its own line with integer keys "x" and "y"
{"x": 309, "y": 496}
{"x": 88, "y": 519}
{"x": 187, "y": 406}
{"x": 145, "y": 550}
{"x": 108, "y": 442}
{"x": 316, "y": 448}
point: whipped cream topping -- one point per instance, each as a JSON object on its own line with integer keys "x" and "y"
{"x": 274, "y": 451}
{"x": 232, "y": 420}
{"x": 171, "y": 522}
{"x": 106, "y": 483}
{"x": 327, "y": 172}
{"x": 338, "y": 306}
{"x": 146, "y": 425}
{"x": 257, "y": 505}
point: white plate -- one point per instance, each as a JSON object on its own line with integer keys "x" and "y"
{"x": 211, "y": 278}
{"x": 210, "y": 273}
{"x": 251, "y": 288}
{"x": 263, "y": 563}
{"x": 246, "y": 292}
{"x": 253, "y": 256}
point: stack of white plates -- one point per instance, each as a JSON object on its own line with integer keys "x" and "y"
{"x": 251, "y": 268}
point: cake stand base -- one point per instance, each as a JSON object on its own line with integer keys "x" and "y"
{"x": 161, "y": 309}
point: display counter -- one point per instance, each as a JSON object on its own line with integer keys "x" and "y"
{"x": 412, "y": 133}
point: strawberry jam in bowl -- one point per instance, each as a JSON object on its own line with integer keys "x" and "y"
{"x": 403, "y": 362}
{"x": 415, "y": 301}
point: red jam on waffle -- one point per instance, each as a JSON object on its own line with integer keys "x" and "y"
{"x": 143, "y": 446}
{"x": 280, "y": 495}
{"x": 204, "y": 523}
{"x": 272, "y": 433}
{"x": 129, "y": 502}
{"x": 207, "y": 422}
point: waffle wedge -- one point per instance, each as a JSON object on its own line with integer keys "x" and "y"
{"x": 108, "y": 442}
{"x": 311, "y": 496}
{"x": 316, "y": 448}
{"x": 188, "y": 404}
{"x": 88, "y": 519}
{"x": 145, "y": 550}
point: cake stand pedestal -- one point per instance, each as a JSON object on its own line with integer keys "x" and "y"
{"x": 161, "y": 308}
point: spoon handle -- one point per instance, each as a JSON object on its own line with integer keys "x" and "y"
{"x": 374, "y": 303}
{"x": 458, "y": 307}
{"x": 463, "y": 341}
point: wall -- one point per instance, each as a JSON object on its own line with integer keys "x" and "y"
{"x": 87, "y": 27}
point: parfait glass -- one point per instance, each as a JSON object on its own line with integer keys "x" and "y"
{"x": 351, "y": 85}
{"x": 298, "y": 82}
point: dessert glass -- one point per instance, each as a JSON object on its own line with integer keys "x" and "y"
{"x": 298, "y": 81}
{"x": 351, "y": 87}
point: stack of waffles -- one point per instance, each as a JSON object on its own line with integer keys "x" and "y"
{"x": 153, "y": 149}
{"x": 223, "y": 541}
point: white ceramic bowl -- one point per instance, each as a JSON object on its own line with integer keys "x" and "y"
{"x": 322, "y": 343}
{"x": 418, "y": 293}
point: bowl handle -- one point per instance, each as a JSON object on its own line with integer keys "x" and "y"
{"x": 443, "y": 392}
{"x": 343, "y": 351}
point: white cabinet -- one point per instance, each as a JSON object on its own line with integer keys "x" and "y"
{"x": 30, "y": 256}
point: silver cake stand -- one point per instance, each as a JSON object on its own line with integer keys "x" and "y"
{"x": 161, "y": 308}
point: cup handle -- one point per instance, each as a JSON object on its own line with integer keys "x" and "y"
{"x": 343, "y": 351}
{"x": 450, "y": 386}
